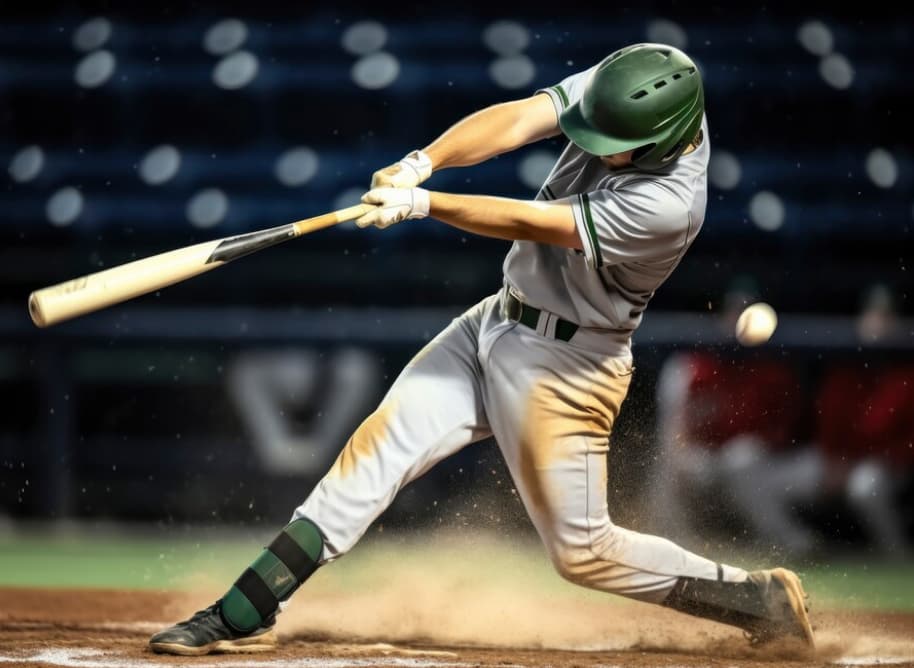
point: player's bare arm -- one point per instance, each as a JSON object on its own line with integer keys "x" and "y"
{"x": 498, "y": 217}
{"x": 510, "y": 219}
{"x": 483, "y": 135}
{"x": 494, "y": 130}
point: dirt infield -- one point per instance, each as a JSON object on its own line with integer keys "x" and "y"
{"x": 99, "y": 628}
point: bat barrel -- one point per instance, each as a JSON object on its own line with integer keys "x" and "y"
{"x": 92, "y": 292}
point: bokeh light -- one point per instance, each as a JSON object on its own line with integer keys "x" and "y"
{"x": 724, "y": 170}
{"x": 766, "y": 210}
{"x": 837, "y": 71}
{"x": 26, "y": 164}
{"x": 816, "y": 37}
{"x": 375, "y": 71}
{"x": 236, "y": 71}
{"x": 296, "y": 166}
{"x": 207, "y": 208}
{"x": 506, "y": 38}
{"x": 664, "y": 31}
{"x": 512, "y": 72}
{"x": 364, "y": 37}
{"x": 535, "y": 167}
{"x": 160, "y": 164}
{"x": 95, "y": 69}
{"x": 64, "y": 206}
{"x": 225, "y": 36}
{"x": 92, "y": 34}
{"x": 882, "y": 168}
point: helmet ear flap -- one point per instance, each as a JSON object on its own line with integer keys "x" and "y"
{"x": 642, "y": 151}
{"x": 673, "y": 152}
{"x": 669, "y": 156}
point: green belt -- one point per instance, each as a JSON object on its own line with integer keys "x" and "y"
{"x": 527, "y": 315}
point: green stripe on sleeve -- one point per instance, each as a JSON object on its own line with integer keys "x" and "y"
{"x": 562, "y": 94}
{"x": 591, "y": 231}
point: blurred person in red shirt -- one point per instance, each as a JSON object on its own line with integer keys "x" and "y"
{"x": 728, "y": 428}
{"x": 865, "y": 430}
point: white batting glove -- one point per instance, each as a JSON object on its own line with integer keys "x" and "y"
{"x": 394, "y": 205}
{"x": 409, "y": 172}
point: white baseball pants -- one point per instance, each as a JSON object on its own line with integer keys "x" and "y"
{"x": 550, "y": 405}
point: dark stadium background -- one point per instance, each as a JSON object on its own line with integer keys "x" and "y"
{"x": 130, "y": 129}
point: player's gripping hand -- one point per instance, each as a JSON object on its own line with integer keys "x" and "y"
{"x": 409, "y": 172}
{"x": 394, "y": 205}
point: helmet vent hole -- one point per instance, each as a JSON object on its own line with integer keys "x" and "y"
{"x": 691, "y": 70}
{"x": 677, "y": 76}
{"x": 660, "y": 84}
{"x": 639, "y": 94}
{"x": 673, "y": 152}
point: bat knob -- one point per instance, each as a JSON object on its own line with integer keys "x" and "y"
{"x": 35, "y": 310}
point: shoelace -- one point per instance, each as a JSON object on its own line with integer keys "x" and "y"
{"x": 200, "y": 615}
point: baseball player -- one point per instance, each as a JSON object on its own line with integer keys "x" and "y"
{"x": 544, "y": 363}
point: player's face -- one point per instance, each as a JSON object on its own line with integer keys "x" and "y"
{"x": 617, "y": 160}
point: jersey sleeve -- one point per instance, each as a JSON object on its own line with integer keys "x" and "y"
{"x": 635, "y": 223}
{"x": 568, "y": 91}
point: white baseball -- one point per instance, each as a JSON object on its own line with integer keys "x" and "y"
{"x": 756, "y": 324}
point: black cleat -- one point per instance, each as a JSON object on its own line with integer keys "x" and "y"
{"x": 785, "y": 602}
{"x": 769, "y": 605}
{"x": 207, "y": 632}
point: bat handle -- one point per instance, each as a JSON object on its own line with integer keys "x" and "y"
{"x": 332, "y": 218}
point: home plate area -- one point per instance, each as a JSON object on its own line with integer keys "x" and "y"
{"x": 93, "y": 628}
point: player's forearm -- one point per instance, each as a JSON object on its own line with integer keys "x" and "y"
{"x": 493, "y": 131}
{"x": 510, "y": 219}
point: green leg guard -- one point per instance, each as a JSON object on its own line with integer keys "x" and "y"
{"x": 273, "y": 577}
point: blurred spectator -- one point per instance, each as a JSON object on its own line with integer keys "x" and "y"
{"x": 878, "y": 321}
{"x": 865, "y": 429}
{"x": 728, "y": 432}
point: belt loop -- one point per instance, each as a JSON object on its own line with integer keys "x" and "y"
{"x": 551, "y": 322}
{"x": 542, "y": 323}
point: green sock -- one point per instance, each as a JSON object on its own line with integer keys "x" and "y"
{"x": 274, "y": 576}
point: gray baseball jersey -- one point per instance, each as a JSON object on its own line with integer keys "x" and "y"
{"x": 635, "y": 227}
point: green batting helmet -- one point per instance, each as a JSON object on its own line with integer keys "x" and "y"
{"x": 647, "y": 97}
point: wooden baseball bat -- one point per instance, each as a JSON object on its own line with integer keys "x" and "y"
{"x": 93, "y": 292}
